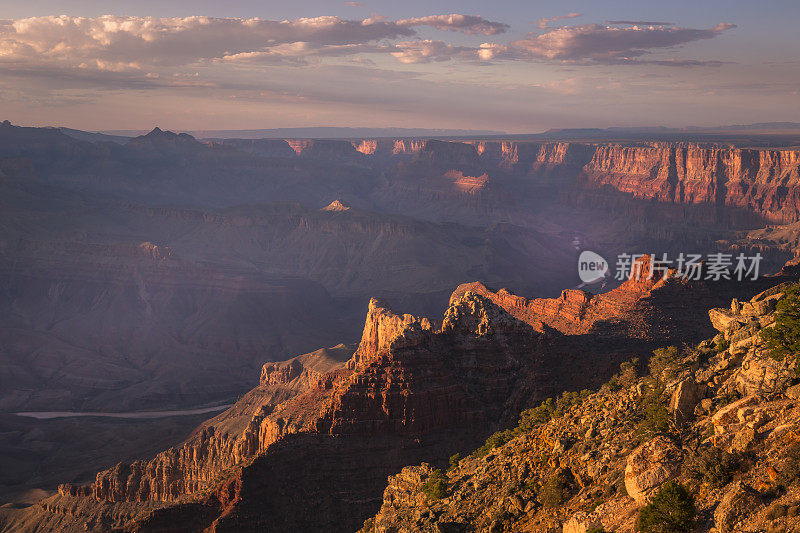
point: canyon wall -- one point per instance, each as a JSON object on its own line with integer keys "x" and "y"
{"x": 401, "y": 380}
{"x": 766, "y": 182}
{"x": 328, "y": 427}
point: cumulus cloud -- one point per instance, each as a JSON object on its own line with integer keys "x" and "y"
{"x": 153, "y": 49}
{"x": 111, "y": 42}
{"x": 470, "y": 24}
{"x": 543, "y": 23}
{"x": 177, "y": 41}
{"x": 600, "y": 44}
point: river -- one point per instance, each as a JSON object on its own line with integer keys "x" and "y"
{"x": 46, "y": 415}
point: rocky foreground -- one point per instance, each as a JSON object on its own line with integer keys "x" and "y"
{"x": 720, "y": 417}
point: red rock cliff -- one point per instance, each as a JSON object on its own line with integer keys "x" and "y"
{"x": 764, "y": 181}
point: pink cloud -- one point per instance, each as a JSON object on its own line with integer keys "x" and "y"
{"x": 542, "y": 23}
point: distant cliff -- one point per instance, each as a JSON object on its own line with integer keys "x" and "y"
{"x": 767, "y": 182}
{"x": 764, "y": 181}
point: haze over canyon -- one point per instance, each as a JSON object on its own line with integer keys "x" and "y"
{"x": 163, "y": 272}
{"x": 399, "y": 267}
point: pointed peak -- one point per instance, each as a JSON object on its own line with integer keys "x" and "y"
{"x": 383, "y": 327}
{"x": 158, "y": 133}
{"x": 160, "y": 137}
{"x": 378, "y": 303}
{"x": 336, "y": 205}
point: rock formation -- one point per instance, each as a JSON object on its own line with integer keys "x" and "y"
{"x": 692, "y": 174}
{"x": 407, "y": 384}
{"x": 591, "y": 460}
{"x": 411, "y": 390}
{"x": 181, "y": 305}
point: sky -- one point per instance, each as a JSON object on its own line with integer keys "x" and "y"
{"x": 515, "y": 66}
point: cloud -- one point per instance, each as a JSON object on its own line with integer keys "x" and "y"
{"x": 111, "y": 42}
{"x": 298, "y": 53}
{"x": 595, "y": 43}
{"x": 148, "y": 52}
{"x": 636, "y": 23}
{"x": 678, "y": 62}
{"x": 177, "y": 41}
{"x": 470, "y": 24}
{"x": 426, "y": 51}
{"x": 354, "y": 4}
{"x": 542, "y": 23}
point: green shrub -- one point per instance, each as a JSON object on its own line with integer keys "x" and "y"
{"x": 495, "y": 441}
{"x": 435, "y": 487}
{"x": 714, "y": 466}
{"x": 531, "y": 418}
{"x": 784, "y": 339}
{"x": 553, "y": 492}
{"x": 570, "y": 399}
{"x": 536, "y": 416}
{"x": 664, "y": 363}
{"x": 627, "y": 372}
{"x": 655, "y": 418}
{"x": 671, "y": 510}
{"x": 550, "y": 409}
{"x": 626, "y": 376}
{"x": 723, "y": 345}
{"x": 454, "y": 460}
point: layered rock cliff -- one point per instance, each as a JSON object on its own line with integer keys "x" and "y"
{"x": 595, "y": 461}
{"x": 648, "y": 304}
{"x": 760, "y": 181}
{"x": 222, "y": 442}
{"x": 408, "y": 390}
{"x": 763, "y": 181}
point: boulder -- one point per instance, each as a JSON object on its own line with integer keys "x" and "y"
{"x": 743, "y": 439}
{"x": 724, "y": 320}
{"x": 793, "y": 392}
{"x": 649, "y": 466}
{"x": 740, "y": 502}
{"x": 761, "y": 375}
{"x": 777, "y": 290}
{"x": 767, "y": 305}
{"x": 728, "y": 414}
{"x": 581, "y": 522}
{"x": 684, "y": 399}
